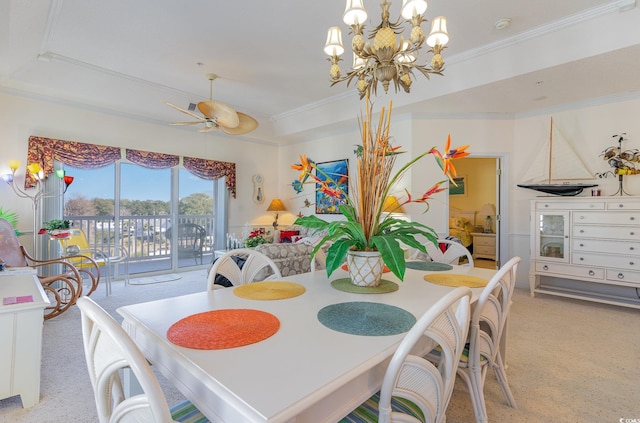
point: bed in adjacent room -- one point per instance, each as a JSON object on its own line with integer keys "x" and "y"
{"x": 461, "y": 225}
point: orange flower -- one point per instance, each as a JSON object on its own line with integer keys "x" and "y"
{"x": 451, "y": 154}
{"x": 304, "y": 167}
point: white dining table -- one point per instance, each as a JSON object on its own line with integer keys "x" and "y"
{"x": 305, "y": 372}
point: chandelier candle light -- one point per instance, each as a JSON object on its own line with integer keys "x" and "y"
{"x": 387, "y": 58}
{"x": 37, "y": 173}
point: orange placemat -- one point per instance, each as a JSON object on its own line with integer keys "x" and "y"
{"x": 219, "y": 329}
{"x": 270, "y": 290}
{"x": 452, "y": 279}
{"x": 385, "y": 269}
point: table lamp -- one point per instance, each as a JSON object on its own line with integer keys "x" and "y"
{"x": 488, "y": 210}
{"x": 276, "y": 205}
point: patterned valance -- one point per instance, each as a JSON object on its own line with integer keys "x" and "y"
{"x": 152, "y": 160}
{"x": 212, "y": 169}
{"x": 45, "y": 151}
{"x": 86, "y": 156}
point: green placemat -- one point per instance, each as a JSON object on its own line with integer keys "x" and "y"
{"x": 344, "y": 284}
{"x": 428, "y": 265}
{"x": 367, "y": 319}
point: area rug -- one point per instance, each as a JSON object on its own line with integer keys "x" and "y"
{"x": 155, "y": 279}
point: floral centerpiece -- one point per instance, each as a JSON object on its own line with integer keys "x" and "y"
{"x": 367, "y": 228}
{"x": 254, "y": 239}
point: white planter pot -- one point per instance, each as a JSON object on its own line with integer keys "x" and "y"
{"x": 365, "y": 267}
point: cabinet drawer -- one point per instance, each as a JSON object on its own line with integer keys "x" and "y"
{"x": 629, "y": 233}
{"x": 577, "y": 205}
{"x": 608, "y": 218}
{"x": 483, "y": 249}
{"x": 565, "y": 269}
{"x": 624, "y": 205}
{"x": 484, "y": 241}
{"x": 594, "y": 259}
{"x": 605, "y": 246}
{"x": 622, "y": 276}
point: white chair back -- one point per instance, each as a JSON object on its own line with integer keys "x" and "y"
{"x": 416, "y": 379}
{"x": 486, "y": 333}
{"x": 254, "y": 269}
{"x": 451, "y": 255}
{"x": 109, "y": 349}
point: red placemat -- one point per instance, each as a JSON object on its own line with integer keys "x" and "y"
{"x": 219, "y": 329}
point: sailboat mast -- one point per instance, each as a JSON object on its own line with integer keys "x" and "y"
{"x": 550, "y": 149}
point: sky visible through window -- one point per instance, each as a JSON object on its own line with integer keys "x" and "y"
{"x": 146, "y": 184}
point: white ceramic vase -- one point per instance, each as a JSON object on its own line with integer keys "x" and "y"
{"x": 365, "y": 267}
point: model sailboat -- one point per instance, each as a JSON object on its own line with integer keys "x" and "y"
{"x": 558, "y": 169}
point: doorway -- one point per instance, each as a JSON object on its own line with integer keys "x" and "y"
{"x": 479, "y": 197}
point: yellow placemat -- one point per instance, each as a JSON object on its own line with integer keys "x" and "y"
{"x": 452, "y": 279}
{"x": 270, "y": 290}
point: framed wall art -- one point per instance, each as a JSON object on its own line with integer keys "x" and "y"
{"x": 461, "y": 188}
{"x": 338, "y": 170}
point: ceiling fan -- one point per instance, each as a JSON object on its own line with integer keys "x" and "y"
{"x": 216, "y": 115}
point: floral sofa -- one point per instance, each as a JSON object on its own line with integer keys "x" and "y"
{"x": 294, "y": 255}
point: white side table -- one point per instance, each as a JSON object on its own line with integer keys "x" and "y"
{"x": 484, "y": 245}
{"x": 21, "y": 337}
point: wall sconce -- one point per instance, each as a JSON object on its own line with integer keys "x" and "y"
{"x": 276, "y": 205}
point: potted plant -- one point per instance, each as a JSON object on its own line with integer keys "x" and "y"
{"x": 56, "y": 228}
{"x": 366, "y": 230}
{"x": 11, "y": 217}
{"x": 254, "y": 239}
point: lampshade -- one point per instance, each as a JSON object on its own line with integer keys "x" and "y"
{"x": 438, "y": 34}
{"x": 411, "y": 8}
{"x": 276, "y": 205}
{"x": 391, "y": 205}
{"x": 354, "y": 13}
{"x": 333, "y": 46}
{"x": 487, "y": 210}
{"x": 14, "y": 164}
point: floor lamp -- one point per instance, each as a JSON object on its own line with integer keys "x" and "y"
{"x": 38, "y": 193}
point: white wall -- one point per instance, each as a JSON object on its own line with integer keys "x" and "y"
{"x": 589, "y": 129}
{"x": 22, "y": 117}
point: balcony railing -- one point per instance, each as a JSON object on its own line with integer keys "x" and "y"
{"x": 147, "y": 239}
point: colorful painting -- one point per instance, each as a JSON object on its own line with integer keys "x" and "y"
{"x": 337, "y": 170}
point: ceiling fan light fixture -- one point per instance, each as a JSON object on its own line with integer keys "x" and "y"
{"x": 217, "y": 115}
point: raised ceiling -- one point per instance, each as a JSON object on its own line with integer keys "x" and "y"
{"x": 127, "y": 57}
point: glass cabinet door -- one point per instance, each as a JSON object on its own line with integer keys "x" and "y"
{"x": 552, "y": 236}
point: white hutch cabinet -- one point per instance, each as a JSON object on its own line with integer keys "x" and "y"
{"x": 586, "y": 248}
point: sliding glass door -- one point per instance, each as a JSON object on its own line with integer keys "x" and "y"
{"x": 164, "y": 218}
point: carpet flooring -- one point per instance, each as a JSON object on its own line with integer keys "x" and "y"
{"x": 568, "y": 361}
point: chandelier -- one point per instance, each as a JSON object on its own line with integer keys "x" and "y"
{"x": 387, "y": 59}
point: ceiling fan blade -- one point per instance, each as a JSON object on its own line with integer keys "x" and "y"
{"x": 247, "y": 124}
{"x": 186, "y": 112}
{"x": 185, "y": 123}
{"x": 223, "y": 114}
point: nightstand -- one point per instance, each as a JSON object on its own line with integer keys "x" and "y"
{"x": 484, "y": 245}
